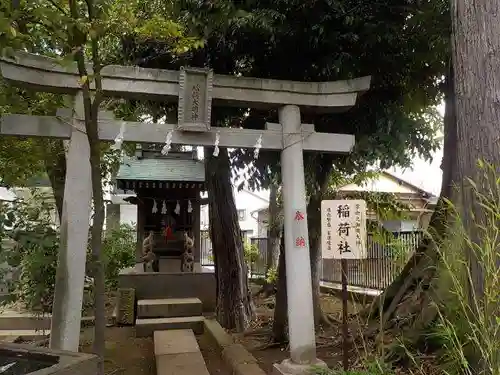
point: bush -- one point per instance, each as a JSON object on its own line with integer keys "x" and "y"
{"x": 272, "y": 275}
{"x": 119, "y": 252}
{"x": 463, "y": 339}
{"x": 37, "y": 266}
{"x": 30, "y": 244}
{"x": 251, "y": 254}
{"x": 468, "y": 325}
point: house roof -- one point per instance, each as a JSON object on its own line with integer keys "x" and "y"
{"x": 433, "y": 200}
{"x": 404, "y": 182}
{"x": 162, "y": 169}
{"x": 409, "y": 187}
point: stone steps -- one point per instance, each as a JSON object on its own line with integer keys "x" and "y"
{"x": 146, "y": 327}
{"x": 169, "y": 308}
{"x": 168, "y": 314}
{"x": 177, "y": 352}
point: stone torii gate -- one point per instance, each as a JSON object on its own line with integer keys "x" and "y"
{"x": 195, "y": 90}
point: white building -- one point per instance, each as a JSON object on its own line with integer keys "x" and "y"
{"x": 128, "y": 211}
{"x": 247, "y": 204}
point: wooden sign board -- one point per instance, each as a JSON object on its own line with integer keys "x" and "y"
{"x": 195, "y": 99}
{"x": 343, "y": 229}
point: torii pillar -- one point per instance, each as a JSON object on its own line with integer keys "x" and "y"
{"x": 298, "y": 266}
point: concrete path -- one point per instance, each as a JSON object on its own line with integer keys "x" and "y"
{"x": 177, "y": 353}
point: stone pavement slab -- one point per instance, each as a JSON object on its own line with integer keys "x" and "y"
{"x": 181, "y": 364}
{"x": 175, "y": 341}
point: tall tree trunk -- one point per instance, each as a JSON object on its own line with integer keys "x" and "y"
{"x": 476, "y": 57}
{"x": 91, "y": 126}
{"x": 275, "y": 225}
{"x": 234, "y": 302}
{"x": 322, "y": 170}
{"x": 96, "y": 244}
{"x": 408, "y": 296}
{"x": 280, "y": 322}
{"x": 315, "y": 257}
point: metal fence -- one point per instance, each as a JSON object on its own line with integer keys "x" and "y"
{"x": 386, "y": 257}
{"x": 258, "y": 268}
{"x": 206, "y": 257}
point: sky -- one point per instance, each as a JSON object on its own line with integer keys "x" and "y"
{"x": 426, "y": 175}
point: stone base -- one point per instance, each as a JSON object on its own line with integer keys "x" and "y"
{"x": 160, "y": 285}
{"x": 48, "y": 361}
{"x": 287, "y": 367}
{"x": 139, "y": 267}
{"x": 125, "y": 306}
{"x": 147, "y": 327}
{"x": 170, "y": 264}
{"x": 169, "y": 308}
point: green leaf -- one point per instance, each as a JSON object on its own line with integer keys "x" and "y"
{"x": 83, "y": 80}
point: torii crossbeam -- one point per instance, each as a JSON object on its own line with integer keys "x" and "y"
{"x": 272, "y": 138}
{"x": 196, "y": 91}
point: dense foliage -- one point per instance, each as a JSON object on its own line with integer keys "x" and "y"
{"x": 326, "y": 40}
{"x": 119, "y": 252}
{"x": 30, "y": 244}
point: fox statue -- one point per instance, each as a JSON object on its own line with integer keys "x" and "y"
{"x": 148, "y": 256}
{"x": 187, "y": 264}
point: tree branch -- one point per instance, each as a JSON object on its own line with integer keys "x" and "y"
{"x": 96, "y": 63}
{"x": 60, "y": 9}
{"x": 77, "y": 40}
{"x": 95, "y": 163}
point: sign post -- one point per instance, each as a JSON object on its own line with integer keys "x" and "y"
{"x": 343, "y": 236}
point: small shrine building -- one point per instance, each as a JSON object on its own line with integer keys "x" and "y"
{"x": 167, "y": 194}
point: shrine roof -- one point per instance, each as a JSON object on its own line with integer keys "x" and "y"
{"x": 162, "y": 169}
